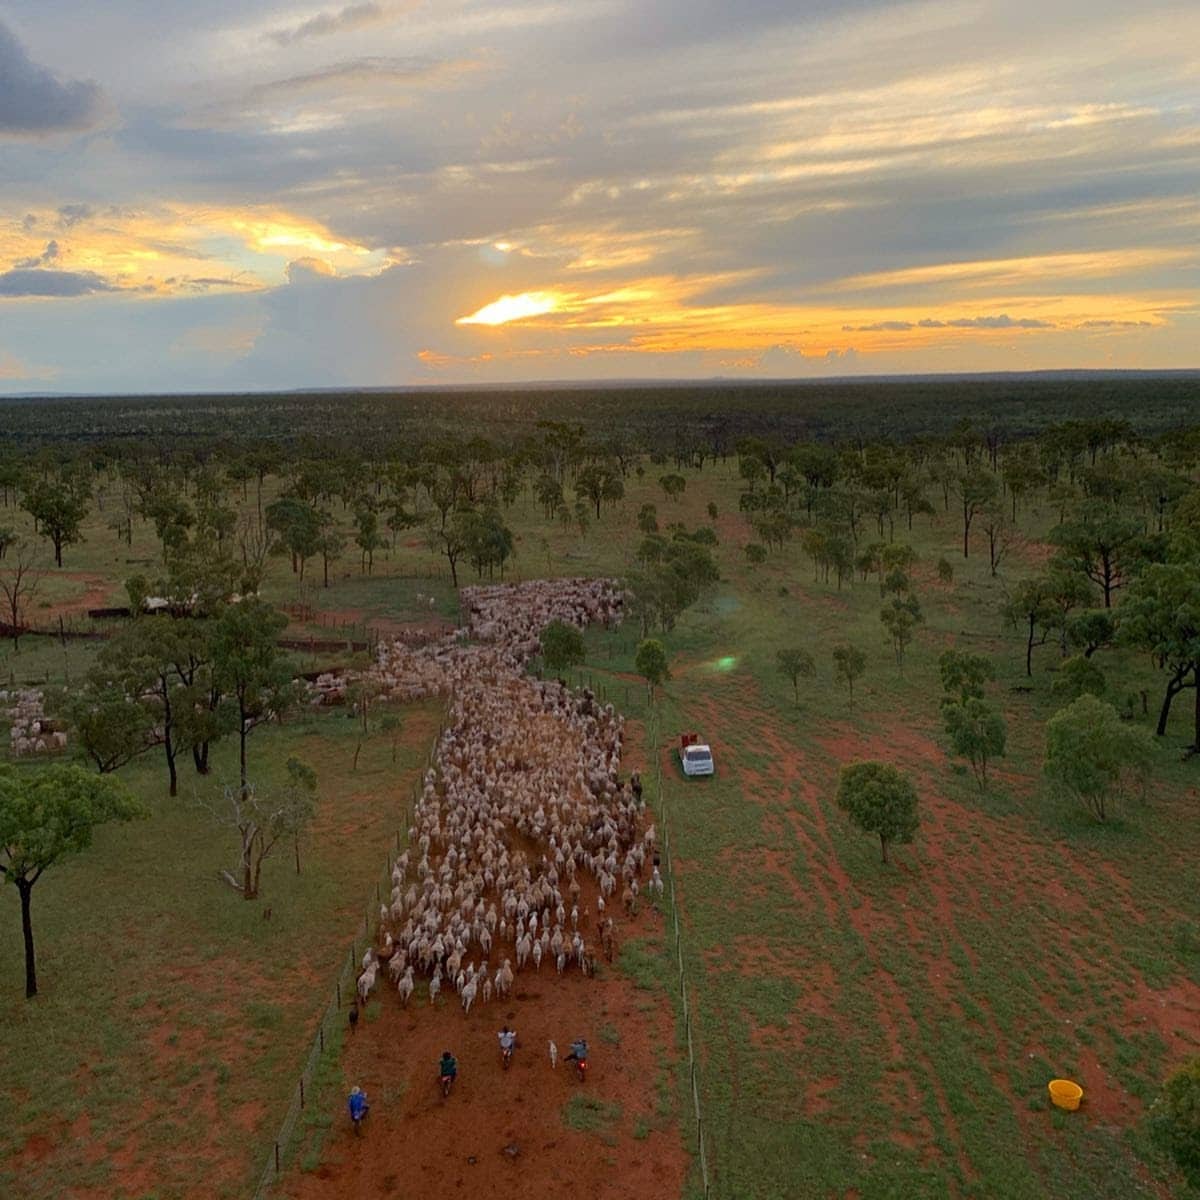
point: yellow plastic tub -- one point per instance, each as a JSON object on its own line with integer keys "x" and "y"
{"x": 1065, "y": 1094}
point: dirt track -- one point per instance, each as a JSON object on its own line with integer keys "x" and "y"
{"x": 414, "y": 1144}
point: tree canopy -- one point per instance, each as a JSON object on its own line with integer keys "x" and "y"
{"x": 1093, "y": 755}
{"x": 879, "y": 800}
{"x": 46, "y": 815}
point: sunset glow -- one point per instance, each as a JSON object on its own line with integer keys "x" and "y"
{"x": 375, "y": 195}
{"x": 512, "y": 308}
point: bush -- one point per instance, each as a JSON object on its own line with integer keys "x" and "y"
{"x": 1176, "y": 1119}
{"x": 945, "y": 570}
{"x": 755, "y": 553}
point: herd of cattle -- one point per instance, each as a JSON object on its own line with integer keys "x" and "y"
{"x": 30, "y": 730}
{"x": 523, "y": 825}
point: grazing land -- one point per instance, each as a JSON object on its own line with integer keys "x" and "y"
{"x": 859, "y": 1028}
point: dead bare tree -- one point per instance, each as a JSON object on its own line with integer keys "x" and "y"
{"x": 261, "y": 820}
{"x": 19, "y": 580}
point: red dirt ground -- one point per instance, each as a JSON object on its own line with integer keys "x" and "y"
{"x": 956, "y": 852}
{"x": 98, "y": 590}
{"x": 416, "y": 1144}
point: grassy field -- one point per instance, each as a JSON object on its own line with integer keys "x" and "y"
{"x": 862, "y": 1030}
{"x": 889, "y": 1031}
{"x": 173, "y": 1016}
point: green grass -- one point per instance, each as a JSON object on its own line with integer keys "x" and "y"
{"x": 883, "y": 1030}
{"x": 163, "y": 991}
{"x": 810, "y": 962}
{"x": 589, "y": 1114}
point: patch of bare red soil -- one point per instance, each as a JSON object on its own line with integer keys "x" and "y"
{"x": 501, "y": 1134}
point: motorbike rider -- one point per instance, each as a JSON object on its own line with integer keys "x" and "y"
{"x": 508, "y": 1040}
{"x": 357, "y": 1103}
{"x": 579, "y": 1051}
{"x": 448, "y": 1067}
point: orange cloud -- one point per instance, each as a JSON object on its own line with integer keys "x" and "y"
{"x": 176, "y": 248}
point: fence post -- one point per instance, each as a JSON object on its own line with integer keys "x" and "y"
{"x": 276, "y": 1158}
{"x": 302, "y": 1091}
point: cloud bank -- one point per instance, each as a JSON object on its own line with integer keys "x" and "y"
{"x": 34, "y": 101}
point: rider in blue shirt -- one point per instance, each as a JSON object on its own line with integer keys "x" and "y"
{"x": 358, "y": 1104}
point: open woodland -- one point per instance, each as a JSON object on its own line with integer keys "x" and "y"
{"x": 860, "y": 1027}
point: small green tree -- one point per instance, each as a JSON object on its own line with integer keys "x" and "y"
{"x": 964, "y": 674}
{"x": 849, "y": 662}
{"x": 977, "y": 732}
{"x": 1175, "y": 1119}
{"x": 795, "y": 665}
{"x": 46, "y": 815}
{"x": 392, "y": 725}
{"x": 900, "y": 619}
{"x": 1078, "y": 676}
{"x": 19, "y": 580}
{"x": 651, "y": 663}
{"x": 945, "y": 570}
{"x": 755, "y": 553}
{"x": 976, "y": 487}
{"x": 712, "y": 510}
{"x": 1091, "y": 630}
{"x": 248, "y": 668}
{"x": 562, "y": 646}
{"x": 879, "y": 800}
{"x": 1094, "y": 756}
{"x": 673, "y": 486}
{"x": 301, "y": 795}
{"x": 1161, "y": 614}
{"x": 368, "y": 537}
{"x": 647, "y": 518}
{"x": 58, "y": 507}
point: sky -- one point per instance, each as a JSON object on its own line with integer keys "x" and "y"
{"x": 242, "y": 196}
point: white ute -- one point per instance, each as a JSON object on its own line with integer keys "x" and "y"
{"x": 696, "y": 759}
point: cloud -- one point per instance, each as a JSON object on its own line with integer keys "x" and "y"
{"x": 46, "y": 257}
{"x": 344, "y": 20}
{"x": 1004, "y": 321}
{"x": 305, "y": 270}
{"x": 23, "y": 281}
{"x": 379, "y": 69}
{"x": 34, "y": 102}
{"x": 205, "y": 283}
{"x": 71, "y": 214}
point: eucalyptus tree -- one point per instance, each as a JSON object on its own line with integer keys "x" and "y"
{"x": 46, "y": 815}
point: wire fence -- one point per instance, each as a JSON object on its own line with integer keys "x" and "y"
{"x": 335, "y": 1013}
{"x": 694, "y": 1073}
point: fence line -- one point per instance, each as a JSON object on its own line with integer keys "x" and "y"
{"x": 701, "y": 1147}
{"x": 343, "y": 988}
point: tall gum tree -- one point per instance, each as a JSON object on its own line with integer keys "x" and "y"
{"x": 1161, "y": 614}
{"x": 46, "y": 815}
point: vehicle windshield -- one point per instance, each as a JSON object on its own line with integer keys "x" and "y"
{"x": 699, "y": 755}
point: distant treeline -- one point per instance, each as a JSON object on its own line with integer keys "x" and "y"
{"x": 717, "y": 413}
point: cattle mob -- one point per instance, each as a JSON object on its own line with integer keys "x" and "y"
{"x": 522, "y": 799}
